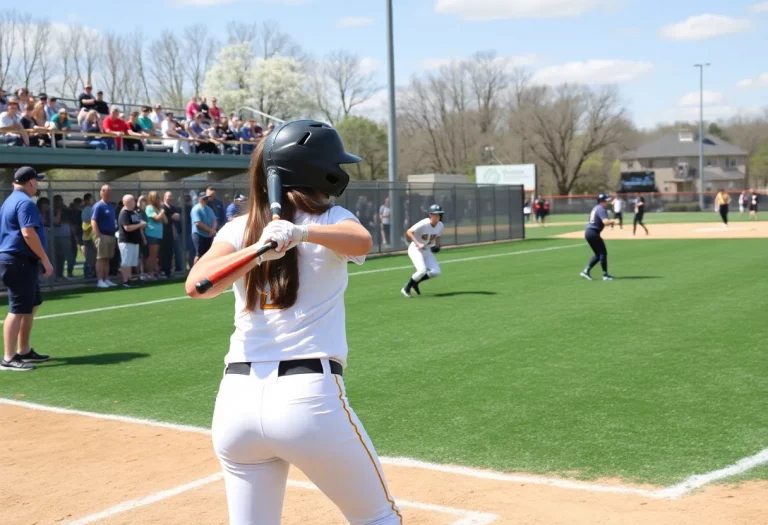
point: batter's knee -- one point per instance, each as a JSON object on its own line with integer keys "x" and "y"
{"x": 418, "y": 276}
{"x": 434, "y": 273}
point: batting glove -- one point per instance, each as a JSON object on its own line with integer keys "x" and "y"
{"x": 293, "y": 232}
{"x": 269, "y": 235}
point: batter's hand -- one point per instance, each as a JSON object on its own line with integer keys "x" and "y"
{"x": 293, "y": 232}
{"x": 272, "y": 234}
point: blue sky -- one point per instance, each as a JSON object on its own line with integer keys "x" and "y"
{"x": 647, "y": 47}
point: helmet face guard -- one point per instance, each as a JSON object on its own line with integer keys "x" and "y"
{"x": 308, "y": 154}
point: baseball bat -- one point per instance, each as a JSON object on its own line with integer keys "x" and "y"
{"x": 274, "y": 193}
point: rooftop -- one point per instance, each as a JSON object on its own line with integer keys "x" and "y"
{"x": 683, "y": 144}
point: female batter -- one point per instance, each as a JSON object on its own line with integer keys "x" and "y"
{"x": 282, "y": 399}
{"x": 425, "y": 243}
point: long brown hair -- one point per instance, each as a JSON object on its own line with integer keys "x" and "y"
{"x": 280, "y": 278}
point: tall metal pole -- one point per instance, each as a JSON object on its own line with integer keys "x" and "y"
{"x": 394, "y": 202}
{"x": 701, "y": 133}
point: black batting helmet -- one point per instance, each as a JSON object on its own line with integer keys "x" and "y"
{"x": 308, "y": 154}
{"x": 603, "y": 198}
{"x": 435, "y": 209}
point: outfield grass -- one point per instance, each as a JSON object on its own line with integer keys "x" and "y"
{"x": 507, "y": 361}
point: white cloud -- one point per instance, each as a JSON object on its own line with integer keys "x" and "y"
{"x": 706, "y": 26}
{"x": 760, "y": 7}
{"x": 511, "y": 61}
{"x": 354, "y": 21}
{"x": 593, "y": 72}
{"x": 692, "y": 99}
{"x": 370, "y": 65}
{"x": 760, "y": 81}
{"x": 374, "y": 108}
{"x": 716, "y": 112}
{"x": 506, "y": 9}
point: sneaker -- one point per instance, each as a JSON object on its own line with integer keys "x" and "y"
{"x": 33, "y": 357}
{"x": 162, "y": 277}
{"x": 586, "y": 276}
{"x": 607, "y": 277}
{"x": 415, "y": 288}
{"x": 144, "y": 277}
{"x": 102, "y": 284}
{"x": 109, "y": 283}
{"x": 16, "y": 365}
{"x": 405, "y": 293}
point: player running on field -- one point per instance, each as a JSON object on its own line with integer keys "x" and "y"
{"x": 598, "y": 220}
{"x": 618, "y": 211}
{"x": 639, "y": 214}
{"x": 425, "y": 243}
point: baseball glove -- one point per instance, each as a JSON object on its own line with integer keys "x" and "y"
{"x": 435, "y": 249}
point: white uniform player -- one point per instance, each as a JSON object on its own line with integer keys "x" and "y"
{"x": 425, "y": 242}
{"x": 282, "y": 399}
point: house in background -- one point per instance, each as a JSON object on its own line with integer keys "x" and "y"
{"x": 674, "y": 161}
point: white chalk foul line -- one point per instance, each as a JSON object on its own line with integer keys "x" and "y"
{"x": 363, "y": 272}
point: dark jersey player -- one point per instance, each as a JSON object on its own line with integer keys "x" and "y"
{"x": 598, "y": 219}
{"x": 639, "y": 214}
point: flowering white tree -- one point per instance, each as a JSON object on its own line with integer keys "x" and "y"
{"x": 231, "y": 76}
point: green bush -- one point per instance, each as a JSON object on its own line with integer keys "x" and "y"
{"x": 682, "y": 206}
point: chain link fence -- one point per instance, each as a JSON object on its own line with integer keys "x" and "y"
{"x": 472, "y": 214}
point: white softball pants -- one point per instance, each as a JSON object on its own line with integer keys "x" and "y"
{"x": 424, "y": 261}
{"x": 263, "y": 423}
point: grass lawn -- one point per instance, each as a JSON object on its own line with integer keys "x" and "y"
{"x": 507, "y": 361}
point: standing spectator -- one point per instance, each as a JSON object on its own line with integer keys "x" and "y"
{"x": 135, "y": 130}
{"x": 141, "y": 208}
{"x": 91, "y": 124}
{"x": 204, "y": 110}
{"x": 156, "y": 222}
{"x": 129, "y": 238}
{"x": 146, "y": 122}
{"x": 170, "y": 132}
{"x": 11, "y": 119}
{"x": 235, "y": 209}
{"x": 743, "y": 202}
{"x": 217, "y": 206}
{"x": 203, "y": 226}
{"x": 51, "y": 109}
{"x": 186, "y": 218}
{"x": 75, "y": 207}
{"x": 171, "y": 244}
{"x": 22, "y": 95}
{"x": 115, "y": 125}
{"x": 192, "y": 108}
{"x": 22, "y": 249}
{"x": 62, "y": 238}
{"x": 86, "y": 98}
{"x": 101, "y": 106}
{"x": 88, "y": 246}
{"x": 385, "y": 219}
{"x": 104, "y": 224}
{"x": 214, "y": 110}
{"x": 60, "y": 122}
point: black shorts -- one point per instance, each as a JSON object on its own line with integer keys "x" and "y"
{"x": 202, "y": 244}
{"x": 21, "y": 276}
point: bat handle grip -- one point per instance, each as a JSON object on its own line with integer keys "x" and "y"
{"x": 209, "y": 282}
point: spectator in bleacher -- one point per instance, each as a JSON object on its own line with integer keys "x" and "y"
{"x": 204, "y": 110}
{"x": 197, "y": 131}
{"x": 192, "y": 108}
{"x": 86, "y": 98}
{"x": 104, "y": 224}
{"x": 92, "y": 125}
{"x": 214, "y": 110}
{"x": 88, "y": 248}
{"x": 51, "y": 108}
{"x": 62, "y": 238}
{"x": 170, "y": 131}
{"x": 203, "y": 226}
{"x": 135, "y": 130}
{"x": 115, "y": 125}
{"x": 171, "y": 243}
{"x": 219, "y": 210}
{"x": 158, "y": 118}
{"x": 225, "y": 133}
{"x": 234, "y": 209}
{"x": 60, "y": 122}
{"x": 156, "y": 222}
{"x": 129, "y": 238}
{"x": 145, "y": 121}
{"x": 270, "y": 129}
{"x": 3, "y": 99}
{"x": 11, "y": 120}
{"x": 22, "y": 95}
{"x": 101, "y": 107}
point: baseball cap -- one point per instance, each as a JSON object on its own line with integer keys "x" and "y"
{"x": 42, "y": 96}
{"x": 202, "y": 195}
{"x": 239, "y": 197}
{"x": 26, "y": 174}
{"x": 603, "y": 198}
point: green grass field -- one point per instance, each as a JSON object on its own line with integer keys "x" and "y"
{"x": 508, "y": 361}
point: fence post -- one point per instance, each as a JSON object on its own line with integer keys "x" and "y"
{"x": 51, "y": 237}
{"x": 455, "y": 216}
{"x": 493, "y": 194}
{"x": 509, "y": 210}
{"x": 477, "y": 212}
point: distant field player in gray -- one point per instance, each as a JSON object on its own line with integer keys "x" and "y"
{"x": 425, "y": 243}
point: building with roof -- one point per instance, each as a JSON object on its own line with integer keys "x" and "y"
{"x": 674, "y": 161}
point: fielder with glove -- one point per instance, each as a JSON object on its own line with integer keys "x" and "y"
{"x": 425, "y": 242}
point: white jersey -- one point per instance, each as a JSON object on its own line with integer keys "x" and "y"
{"x": 618, "y": 206}
{"x": 315, "y": 326}
{"x": 425, "y": 232}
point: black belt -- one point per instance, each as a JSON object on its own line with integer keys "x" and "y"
{"x": 289, "y": 368}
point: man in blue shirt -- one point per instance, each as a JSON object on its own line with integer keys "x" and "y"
{"x": 22, "y": 249}
{"x": 203, "y": 226}
{"x": 217, "y": 206}
{"x": 234, "y": 209}
{"x": 104, "y": 224}
{"x": 598, "y": 219}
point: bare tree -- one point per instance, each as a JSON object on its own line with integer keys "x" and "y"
{"x": 272, "y": 42}
{"x": 70, "y": 45}
{"x": 340, "y": 84}
{"x": 519, "y": 104}
{"x": 33, "y": 35}
{"x": 112, "y": 67}
{"x": 199, "y": 51}
{"x": 136, "y": 53}
{"x": 167, "y": 67}
{"x": 489, "y": 78}
{"x": 9, "y": 27}
{"x": 242, "y": 32}
{"x": 569, "y": 123}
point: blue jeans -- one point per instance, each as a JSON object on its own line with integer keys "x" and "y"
{"x": 98, "y": 144}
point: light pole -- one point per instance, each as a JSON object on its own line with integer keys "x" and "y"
{"x": 490, "y": 150}
{"x": 701, "y": 133}
{"x": 394, "y": 201}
